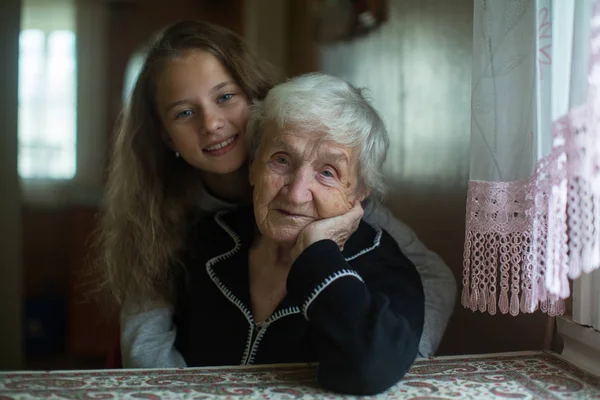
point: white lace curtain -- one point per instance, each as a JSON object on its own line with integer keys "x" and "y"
{"x": 533, "y": 207}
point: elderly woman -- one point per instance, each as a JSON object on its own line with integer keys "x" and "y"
{"x": 298, "y": 277}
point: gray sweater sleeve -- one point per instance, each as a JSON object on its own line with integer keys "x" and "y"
{"x": 439, "y": 284}
{"x": 147, "y": 332}
{"x": 148, "y": 336}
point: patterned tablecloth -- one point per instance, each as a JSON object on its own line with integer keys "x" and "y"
{"x": 499, "y": 376}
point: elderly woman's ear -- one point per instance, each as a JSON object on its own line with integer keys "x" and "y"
{"x": 361, "y": 190}
{"x": 363, "y": 193}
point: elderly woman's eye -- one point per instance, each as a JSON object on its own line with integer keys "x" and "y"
{"x": 184, "y": 114}
{"x": 328, "y": 173}
{"x": 281, "y": 160}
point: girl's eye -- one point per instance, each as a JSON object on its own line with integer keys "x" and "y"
{"x": 225, "y": 98}
{"x": 184, "y": 114}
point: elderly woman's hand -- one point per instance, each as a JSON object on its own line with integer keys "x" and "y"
{"x": 338, "y": 229}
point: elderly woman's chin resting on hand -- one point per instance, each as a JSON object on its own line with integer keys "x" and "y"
{"x": 297, "y": 276}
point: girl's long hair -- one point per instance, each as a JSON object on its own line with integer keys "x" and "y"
{"x": 149, "y": 191}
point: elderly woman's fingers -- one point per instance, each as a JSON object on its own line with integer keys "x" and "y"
{"x": 339, "y": 229}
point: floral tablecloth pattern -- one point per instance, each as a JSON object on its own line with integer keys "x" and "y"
{"x": 501, "y": 376}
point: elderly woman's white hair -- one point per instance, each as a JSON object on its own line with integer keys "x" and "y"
{"x": 326, "y": 104}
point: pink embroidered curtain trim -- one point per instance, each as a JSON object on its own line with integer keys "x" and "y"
{"x": 526, "y": 239}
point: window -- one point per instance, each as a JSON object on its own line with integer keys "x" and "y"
{"x": 47, "y": 90}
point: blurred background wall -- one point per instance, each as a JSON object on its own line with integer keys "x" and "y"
{"x": 415, "y": 60}
{"x": 10, "y": 199}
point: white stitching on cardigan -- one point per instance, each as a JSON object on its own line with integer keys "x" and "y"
{"x": 250, "y": 348}
{"x": 226, "y": 292}
{"x": 376, "y": 242}
{"x": 274, "y": 317}
{"x": 324, "y": 284}
{"x": 345, "y": 272}
{"x": 248, "y": 357}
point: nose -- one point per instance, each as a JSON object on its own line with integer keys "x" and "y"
{"x": 299, "y": 188}
{"x": 213, "y": 119}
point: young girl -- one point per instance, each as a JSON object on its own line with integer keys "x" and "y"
{"x": 179, "y": 148}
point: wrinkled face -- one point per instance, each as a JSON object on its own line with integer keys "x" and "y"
{"x": 204, "y": 112}
{"x": 299, "y": 178}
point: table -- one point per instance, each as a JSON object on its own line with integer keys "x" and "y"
{"x": 524, "y": 375}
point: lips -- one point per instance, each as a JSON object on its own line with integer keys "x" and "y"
{"x": 222, "y": 147}
{"x": 292, "y": 214}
